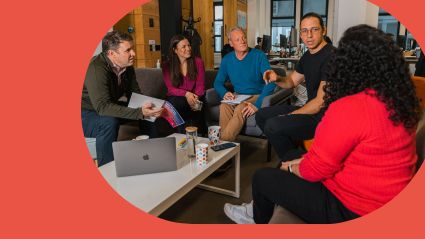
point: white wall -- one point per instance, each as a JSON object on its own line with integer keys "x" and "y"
{"x": 348, "y": 13}
{"x": 99, "y": 46}
{"x": 372, "y": 14}
{"x": 331, "y": 13}
{"x": 258, "y": 20}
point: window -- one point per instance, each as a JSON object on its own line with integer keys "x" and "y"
{"x": 410, "y": 42}
{"x": 318, "y": 6}
{"x": 388, "y": 24}
{"x": 282, "y": 19}
{"x": 218, "y": 25}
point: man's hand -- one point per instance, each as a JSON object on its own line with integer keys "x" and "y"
{"x": 249, "y": 110}
{"x": 148, "y": 110}
{"x": 192, "y": 99}
{"x": 229, "y": 96}
{"x": 270, "y": 76}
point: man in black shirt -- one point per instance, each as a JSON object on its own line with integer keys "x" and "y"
{"x": 285, "y": 125}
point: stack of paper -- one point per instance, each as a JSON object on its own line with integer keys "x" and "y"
{"x": 238, "y": 99}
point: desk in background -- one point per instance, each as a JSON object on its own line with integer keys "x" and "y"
{"x": 284, "y": 60}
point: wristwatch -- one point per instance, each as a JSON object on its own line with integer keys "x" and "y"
{"x": 290, "y": 168}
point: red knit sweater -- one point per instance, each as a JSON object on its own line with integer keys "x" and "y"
{"x": 359, "y": 155}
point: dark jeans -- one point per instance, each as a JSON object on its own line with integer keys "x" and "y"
{"x": 191, "y": 118}
{"x": 312, "y": 202}
{"x": 285, "y": 132}
{"x": 105, "y": 130}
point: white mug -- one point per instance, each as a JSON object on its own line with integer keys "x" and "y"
{"x": 142, "y": 137}
{"x": 214, "y": 134}
{"x": 201, "y": 154}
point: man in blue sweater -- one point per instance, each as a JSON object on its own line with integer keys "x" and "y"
{"x": 244, "y": 67}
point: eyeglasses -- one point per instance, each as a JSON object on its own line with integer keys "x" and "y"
{"x": 313, "y": 30}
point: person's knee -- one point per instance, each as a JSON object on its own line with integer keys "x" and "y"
{"x": 260, "y": 119}
{"x": 259, "y": 174}
{"x": 239, "y": 110}
{"x": 260, "y": 177}
{"x": 275, "y": 126}
{"x": 224, "y": 106}
{"x": 269, "y": 129}
{"x": 109, "y": 124}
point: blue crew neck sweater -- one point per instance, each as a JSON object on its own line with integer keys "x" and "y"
{"x": 246, "y": 75}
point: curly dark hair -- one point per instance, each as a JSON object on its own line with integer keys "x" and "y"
{"x": 367, "y": 58}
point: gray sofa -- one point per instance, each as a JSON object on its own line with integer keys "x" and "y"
{"x": 151, "y": 84}
{"x": 212, "y": 99}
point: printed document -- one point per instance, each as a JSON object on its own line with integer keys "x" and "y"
{"x": 238, "y": 99}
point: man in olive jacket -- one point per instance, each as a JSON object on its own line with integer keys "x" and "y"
{"x": 109, "y": 82}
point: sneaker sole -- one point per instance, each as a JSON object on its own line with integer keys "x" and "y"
{"x": 229, "y": 215}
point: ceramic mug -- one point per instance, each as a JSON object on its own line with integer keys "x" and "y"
{"x": 214, "y": 134}
{"x": 142, "y": 137}
{"x": 201, "y": 154}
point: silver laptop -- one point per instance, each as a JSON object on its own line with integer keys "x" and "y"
{"x": 137, "y": 157}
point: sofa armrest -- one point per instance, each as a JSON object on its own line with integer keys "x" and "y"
{"x": 212, "y": 98}
{"x": 278, "y": 97}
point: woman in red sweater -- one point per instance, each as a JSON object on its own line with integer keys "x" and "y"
{"x": 184, "y": 76}
{"x": 363, "y": 153}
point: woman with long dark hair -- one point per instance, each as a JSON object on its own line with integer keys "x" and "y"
{"x": 184, "y": 76}
{"x": 363, "y": 153}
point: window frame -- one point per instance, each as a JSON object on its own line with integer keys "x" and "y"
{"x": 280, "y": 18}
{"x": 326, "y": 11}
{"x": 388, "y": 14}
{"x": 220, "y": 20}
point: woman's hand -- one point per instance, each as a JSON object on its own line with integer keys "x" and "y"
{"x": 286, "y": 164}
{"x": 294, "y": 166}
{"x": 192, "y": 99}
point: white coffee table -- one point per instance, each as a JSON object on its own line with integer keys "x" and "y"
{"x": 154, "y": 193}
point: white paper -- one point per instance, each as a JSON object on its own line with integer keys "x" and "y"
{"x": 238, "y": 99}
{"x": 138, "y": 100}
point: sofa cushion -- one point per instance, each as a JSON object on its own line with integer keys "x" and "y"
{"x": 151, "y": 83}
{"x": 209, "y": 78}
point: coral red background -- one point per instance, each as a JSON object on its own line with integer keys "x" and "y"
{"x": 49, "y": 186}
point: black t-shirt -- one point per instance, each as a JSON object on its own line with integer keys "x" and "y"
{"x": 314, "y": 67}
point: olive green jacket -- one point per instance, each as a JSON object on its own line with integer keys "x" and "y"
{"x": 101, "y": 91}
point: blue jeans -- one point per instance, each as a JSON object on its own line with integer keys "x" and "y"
{"x": 104, "y": 129}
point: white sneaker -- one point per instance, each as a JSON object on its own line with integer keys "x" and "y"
{"x": 241, "y": 214}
